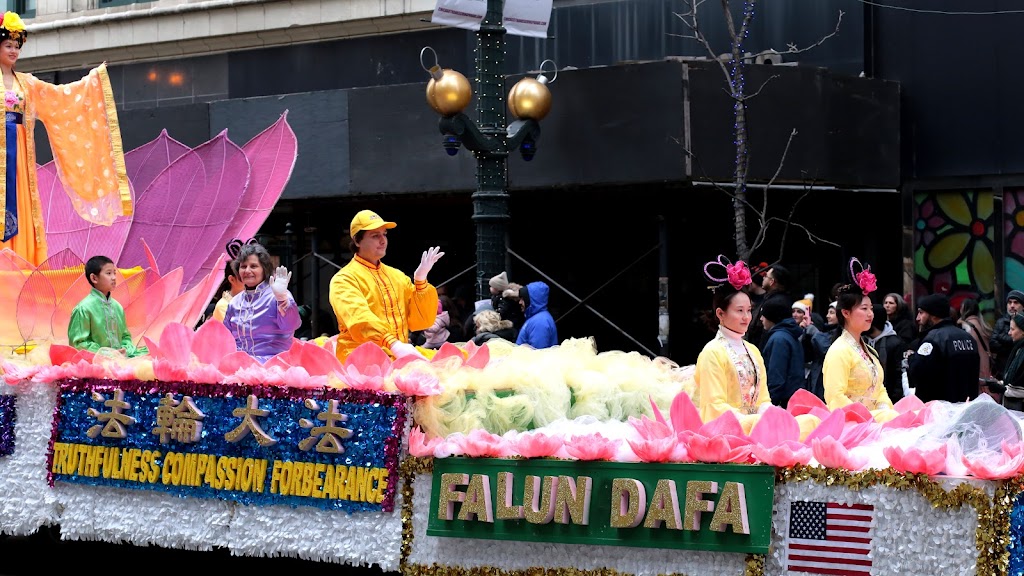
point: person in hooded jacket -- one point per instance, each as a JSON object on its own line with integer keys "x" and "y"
{"x": 539, "y": 329}
{"x": 889, "y": 346}
{"x": 783, "y": 354}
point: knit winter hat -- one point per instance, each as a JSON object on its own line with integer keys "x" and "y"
{"x": 801, "y": 305}
{"x": 775, "y": 310}
{"x": 935, "y": 304}
{"x": 499, "y": 282}
{"x": 1015, "y": 295}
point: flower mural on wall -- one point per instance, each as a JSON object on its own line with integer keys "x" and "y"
{"x": 1013, "y": 235}
{"x": 954, "y": 241}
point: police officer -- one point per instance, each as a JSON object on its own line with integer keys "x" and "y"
{"x": 945, "y": 364}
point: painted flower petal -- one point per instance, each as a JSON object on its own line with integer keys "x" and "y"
{"x": 947, "y": 250}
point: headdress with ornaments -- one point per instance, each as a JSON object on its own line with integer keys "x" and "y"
{"x": 723, "y": 271}
{"x": 13, "y": 28}
{"x": 864, "y": 280}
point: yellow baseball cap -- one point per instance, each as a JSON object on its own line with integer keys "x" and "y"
{"x": 368, "y": 220}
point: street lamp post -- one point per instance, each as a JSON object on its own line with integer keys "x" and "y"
{"x": 448, "y": 93}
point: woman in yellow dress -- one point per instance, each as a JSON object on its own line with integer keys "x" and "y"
{"x": 81, "y": 123}
{"x": 730, "y": 373}
{"x": 852, "y": 372}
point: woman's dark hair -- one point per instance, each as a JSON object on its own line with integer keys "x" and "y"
{"x": 969, "y": 307}
{"x": 850, "y": 296}
{"x": 353, "y": 242}
{"x": 230, "y": 270}
{"x": 261, "y": 254}
{"x": 721, "y": 297}
{"x": 902, "y": 310}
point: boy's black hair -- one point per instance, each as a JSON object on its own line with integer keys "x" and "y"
{"x": 95, "y": 266}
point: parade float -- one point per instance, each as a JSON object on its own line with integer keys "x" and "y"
{"x": 494, "y": 459}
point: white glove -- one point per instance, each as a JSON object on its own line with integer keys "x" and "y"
{"x": 427, "y": 261}
{"x": 401, "y": 349}
{"x": 279, "y": 283}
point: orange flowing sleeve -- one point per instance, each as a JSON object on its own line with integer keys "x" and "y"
{"x": 81, "y": 122}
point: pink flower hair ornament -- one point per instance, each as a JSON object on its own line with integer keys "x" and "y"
{"x": 863, "y": 277}
{"x": 737, "y": 275}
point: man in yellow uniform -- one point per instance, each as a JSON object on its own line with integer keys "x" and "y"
{"x": 375, "y": 302}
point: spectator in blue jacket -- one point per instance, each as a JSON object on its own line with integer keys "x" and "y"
{"x": 539, "y": 329}
{"x": 783, "y": 354}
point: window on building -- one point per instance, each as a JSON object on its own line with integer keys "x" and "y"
{"x": 109, "y": 3}
{"x": 24, "y": 8}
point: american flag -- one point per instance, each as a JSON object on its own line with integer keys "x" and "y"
{"x": 830, "y": 538}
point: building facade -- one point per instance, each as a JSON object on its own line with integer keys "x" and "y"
{"x": 624, "y": 190}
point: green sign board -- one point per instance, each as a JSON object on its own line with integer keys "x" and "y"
{"x": 722, "y": 507}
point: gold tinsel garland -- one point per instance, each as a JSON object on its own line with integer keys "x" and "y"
{"x": 993, "y": 514}
{"x": 991, "y": 539}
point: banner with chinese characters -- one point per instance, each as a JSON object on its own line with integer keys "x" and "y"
{"x": 332, "y": 449}
{"x": 721, "y": 507}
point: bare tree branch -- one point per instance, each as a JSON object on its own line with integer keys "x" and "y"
{"x": 745, "y": 97}
{"x": 690, "y": 19}
{"x": 793, "y": 49}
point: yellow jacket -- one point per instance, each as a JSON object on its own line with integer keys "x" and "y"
{"x": 849, "y": 377}
{"x": 717, "y": 382}
{"x": 222, "y": 307}
{"x": 379, "y": 304}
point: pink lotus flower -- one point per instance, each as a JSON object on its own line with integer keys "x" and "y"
{"x": 804, "y": 402}
{"x": 417, "y": 383}
{"x": 537, "y": 445}
{"x": 480, "y": 443}
{"x": 784, "y": 455}
{"x": 908, "y": 404}
{"x": 718, "y": 449}
{"x": 998, "y": 466}
{"x": 831, "y": 427}
{"x": 867, "y": 281}
{"x": 657, "y": 449}
{"x": 203, "y": 374}
{"x": 857, "y": 413}
{"x": 234, "y": 362}
{"x": 651, "y": 429}
{"x": 366, "y": 367}
{"x": 591, "y": 447}
{"x": 14, "y": 373}
{"x": 298, "y": 377}
{"x": 917, "y": 460}
{"x": 831, "y": 453}
{"x": 419, "y": 445}
{"x": 776, "y": 439}
{"x": 479, "y": 356}
{"x": 859, "y": 434}
{"x": 314, "y": 359}
{"x": 10, "y": 99}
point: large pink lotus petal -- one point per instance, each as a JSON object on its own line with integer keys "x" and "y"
{"x": 479, "y": 356}
{"x": 446, "y": 351}
{"x": 1012, "y": 449}
{"x": 997, "y": 466}
{"x": 649, "y": 429}
{"x": 271, "y": 155}
{"x": 200, "y": 192}
{"x": 725, "y": 425}
{"x": 908, "y": 404}
{"x": 404, "y": 361}
{"x": 83, "y": 355}
{"x": 279, "y": 361}
{"x": 369, "y": 354}
{"x": 153, "y": 347}
{"x": 904, "y": 420}
{"x": 66, "y": 229}
{"x": 684, "y": 414}
{"x": 417, "y": 383}
{"x": 178, "y": 311}
{"x": 857, "y": 413}
{"x": 658, "y": 416}
{"x": 831, "y": 426}
{"x": 203, "y": 292}
{"x": 774, "y": 427}
{"x": 718, "y": 449}
{"x": 234, "y": 362}
{"x": 65, "y": 304}
{"x": 480, "y": 443}
{"x": 803, "y": 401}
{"x": 860, "y": 434}
{"x": 830, "y": 453}
{"x": 119, "y": 371}
{"x": 60, "y": 354}
{"x": 176, "y": 344}
{"x": 917, "y": 460}
{"x": 316, "y": 360}
{"x": 145, "y": 309}
{"x": 591, "y": 447}
{"x": 150, "y": 259}
{"x": 783, "y": 455}
{"x": 537, "y": 444}
{"x": 35, "y": 307}
{"x": 212, "y": 342}
{"x": 146, "y": 162}
{"x": 654, "y": 449}
{"x": 419, "y": 445}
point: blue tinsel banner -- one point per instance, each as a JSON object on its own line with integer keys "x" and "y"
{"x": 7, "y": 419}
{"x": 1017, "y": 537}
{"x": 252, "y": 444}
